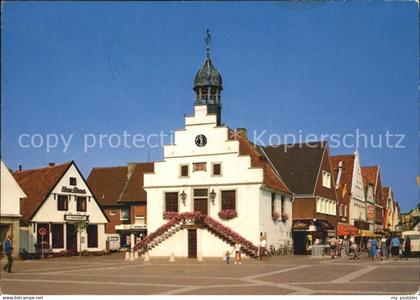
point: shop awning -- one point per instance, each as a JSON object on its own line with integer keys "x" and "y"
{"x": 347, "y": 229}
{"x": 367, "y": 233}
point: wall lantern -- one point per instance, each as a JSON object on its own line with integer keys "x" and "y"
{"x": 212, "y": 196}
{"x": 183, "y": 196}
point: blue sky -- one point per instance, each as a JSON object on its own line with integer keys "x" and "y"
{"x": 102, "y": 68}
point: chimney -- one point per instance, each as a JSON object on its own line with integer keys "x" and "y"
{"x": 20, "y": 167}
{"x": 51, "y": 164}
{"x": 242, "y": 132}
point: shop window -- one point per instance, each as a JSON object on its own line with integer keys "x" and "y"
{"x": 217, "y": 169}
{"x": 62, "y": 202}
{"x": 81, "y": 203}
{"x": 171, "y": 201}
{"x": 124, "y": 213}
{"x": 92, "y": 236}
{"x": 184, "y": 171}
{"x": 229, "y": 199}
{"x": 326, "y": 179}
{"x": 73, "y": 181}
{"x": 57, "y": 235}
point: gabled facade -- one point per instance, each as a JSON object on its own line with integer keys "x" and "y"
{"x": 306, "y": 170}
{"x": 11, "y": 195}
{"x": 211, "y": 169}
{"x": 373, "y": 191}
{"x": 119, "y": 191}
{"x": 388, "y": 200}
{"x": 58, "y": 202}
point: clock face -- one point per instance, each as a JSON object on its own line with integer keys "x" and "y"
{"x": 200, "y": 140}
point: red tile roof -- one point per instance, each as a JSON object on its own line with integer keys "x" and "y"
{"x": 116, "y": 185}
{"x": 369, "y": 175}
{"x": 37, "y": 185}
{"x": 258, "y": 160}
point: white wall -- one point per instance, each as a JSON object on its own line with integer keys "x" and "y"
{"x": 357, "y": 199}
{"x": 10, "y": 194}
{"x": 237, "y": 174}
{"x": 48, "y": 213}
{"x": 277, "y": 232}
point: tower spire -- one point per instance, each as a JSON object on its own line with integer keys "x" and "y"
{"x": 208, "y": 41}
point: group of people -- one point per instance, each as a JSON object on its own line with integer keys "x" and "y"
{"x": 343, "y": 248}
{"x": 237, "y": 251}
{"x": 379, "y": 248}
{"x": 384, "y": 248}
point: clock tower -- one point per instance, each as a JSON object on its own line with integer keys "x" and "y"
{"x": 208, "y": 84}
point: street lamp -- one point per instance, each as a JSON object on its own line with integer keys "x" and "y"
{"x": 183, "y": 196}
{"x": 212, "y": 196}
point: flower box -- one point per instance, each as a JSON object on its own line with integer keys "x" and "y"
{"x": 276, "y": 216}
{"x": 227, "y": 214}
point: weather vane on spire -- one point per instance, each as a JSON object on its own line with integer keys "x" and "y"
{"x": 208, "y": 40}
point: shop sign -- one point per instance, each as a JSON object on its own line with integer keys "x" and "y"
{"x": 73, "y": 190}
{"x": 371, "y": 212}
{"x": 75, "y": 217}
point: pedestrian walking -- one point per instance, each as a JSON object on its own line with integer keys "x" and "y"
{"x": 369, "y": 247}
{"x": 333, "y": 247}
{"x": 8, "y": 248}
{"x": 237, "y": 249}
{"x": 395, "y": 250}
{"x": 263, "y": 248}
{"x": 388, "y": 246}
{"x": 346, "y": 246}
{"x": 407, "y": 247}
{"x": 227, "y": 256}
{"x": 373, "y": 248}
{"x": 384, "y": 248}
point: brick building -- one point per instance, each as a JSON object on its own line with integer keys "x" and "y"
{"x": 120, "y": 193}
{"x": 306, "y": 170}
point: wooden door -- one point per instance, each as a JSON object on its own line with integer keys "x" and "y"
{"x": 192, "y": 243}
{"x": 299, "y": 242}
{"x": 71, "y": 237}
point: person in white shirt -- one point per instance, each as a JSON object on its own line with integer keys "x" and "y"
{"x": 237, "y": 249}
{"x": 263, "y": 248}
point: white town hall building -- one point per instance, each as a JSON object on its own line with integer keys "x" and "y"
{"x": 216, "y": 171}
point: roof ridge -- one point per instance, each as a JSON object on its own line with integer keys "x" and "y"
{"x": 43, "y": 168}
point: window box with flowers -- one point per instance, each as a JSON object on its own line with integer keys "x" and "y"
{"x": 284, "y": 217}
{"x": 276, "y": 216}
{"x": 227, "y": 214}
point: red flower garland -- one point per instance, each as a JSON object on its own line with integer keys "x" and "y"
{"x": 196, "y": 217}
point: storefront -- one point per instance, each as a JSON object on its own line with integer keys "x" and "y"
{"x": 60, "y": 213}
{"x": 307, "y": 232}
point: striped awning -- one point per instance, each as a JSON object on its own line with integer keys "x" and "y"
{"x": 367, "y": 233}
{"x": 347, "y": 229}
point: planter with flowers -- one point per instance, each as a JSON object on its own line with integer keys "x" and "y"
{"x": 284, "y": 217}
{"x": 276, "y": 216}
{"x": 227, "y": 214}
